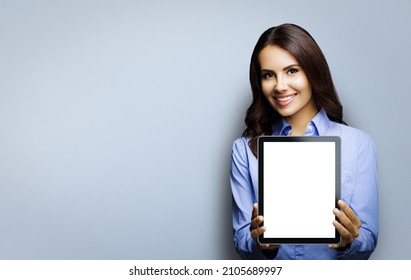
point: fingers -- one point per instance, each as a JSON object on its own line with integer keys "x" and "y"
{"x": 349, "y": 213}
{"x": 346, "y": 237}
{"x": 257, "y": 232}
{"x": 268, "y": 246}
{"x": 344, "y": 222}
{"x": 256, "y": 220}
{"x": 347, "y": 218}
{"x": 255, "y": 211}
{"x": 348, "y": 225}
{"x": 335, "y": 246}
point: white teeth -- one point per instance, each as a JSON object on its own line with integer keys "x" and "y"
{"x": 284, "y": 99}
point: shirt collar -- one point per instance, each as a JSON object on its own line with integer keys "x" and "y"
{"x": 321, "y": 122}
{"x": 318, "y": 125}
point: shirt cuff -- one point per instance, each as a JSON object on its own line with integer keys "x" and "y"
{"x": 263, "y": 254}
{"x": 351, "y": 251}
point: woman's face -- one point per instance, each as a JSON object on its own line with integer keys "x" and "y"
{"x": 285, "y": 84}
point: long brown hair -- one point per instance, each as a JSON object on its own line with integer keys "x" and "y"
{"x": 260, "y": 116}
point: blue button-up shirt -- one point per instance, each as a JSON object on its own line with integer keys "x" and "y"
{"x": 358, "y": 190}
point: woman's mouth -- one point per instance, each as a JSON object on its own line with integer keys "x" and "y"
{"x": 284, "y": 100}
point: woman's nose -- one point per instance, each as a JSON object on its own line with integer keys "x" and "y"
{"x": 281, "y": 85}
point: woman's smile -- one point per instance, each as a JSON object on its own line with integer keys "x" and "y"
{"x": 285, "y": 100}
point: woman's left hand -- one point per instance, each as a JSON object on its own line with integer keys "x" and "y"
{"x": 348, "y": 225}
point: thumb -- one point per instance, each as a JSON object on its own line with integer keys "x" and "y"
{"x": 255, "y": 211}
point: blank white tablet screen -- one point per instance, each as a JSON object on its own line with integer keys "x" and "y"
{"x": 299, "y": 189}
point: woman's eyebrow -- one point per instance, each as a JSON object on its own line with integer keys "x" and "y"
{"x": 284, "y": 69}
{"x": 290, "y": 66}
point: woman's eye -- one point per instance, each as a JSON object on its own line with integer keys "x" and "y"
{"x": 292, "y": 71}
{"x": 267, "y": 75}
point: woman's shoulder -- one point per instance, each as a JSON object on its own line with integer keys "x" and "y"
{"x": 241, "y": 144}
{"x": 349, "y": 133}
{"x": 241, "y": 152}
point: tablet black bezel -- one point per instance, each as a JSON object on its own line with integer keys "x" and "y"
{"x": 260, "y": 152}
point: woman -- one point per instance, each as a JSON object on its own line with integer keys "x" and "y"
{"x": 293, "y": 94}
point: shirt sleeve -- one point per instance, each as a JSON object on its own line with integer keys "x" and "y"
{"x": 243, "y": 198}
{"x": 364, "y": 201}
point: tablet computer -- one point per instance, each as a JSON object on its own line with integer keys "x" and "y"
{"x": 298, "y": 188}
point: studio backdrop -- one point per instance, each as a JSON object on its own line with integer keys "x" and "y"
{"x": 117, "y": 119}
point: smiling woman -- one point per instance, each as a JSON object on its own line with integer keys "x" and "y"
{"x": 286, "y": 87}
{"x": 293, "y": 94}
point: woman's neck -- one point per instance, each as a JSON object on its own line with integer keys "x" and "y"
{"x": 300, "y": 120}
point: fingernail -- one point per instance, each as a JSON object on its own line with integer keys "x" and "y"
{"x": 336, "y": 211}
{"x": 341, "y": 202}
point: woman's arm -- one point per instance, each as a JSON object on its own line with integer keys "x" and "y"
{"x": 364, "y": 202}
{"x": 243, "y": 198}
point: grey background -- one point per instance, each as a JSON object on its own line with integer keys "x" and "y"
{"x": 117, "y": 119}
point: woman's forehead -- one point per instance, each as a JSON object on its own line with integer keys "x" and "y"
{"x": 275, "y": 57}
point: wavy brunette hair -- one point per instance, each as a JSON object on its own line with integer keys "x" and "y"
{"x": 260, "y": 116}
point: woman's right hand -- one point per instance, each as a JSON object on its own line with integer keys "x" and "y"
{"x": 256, "y": 230}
